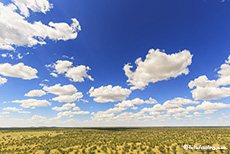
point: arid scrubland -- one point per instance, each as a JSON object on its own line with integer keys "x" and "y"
{"x": 113, "y": 140}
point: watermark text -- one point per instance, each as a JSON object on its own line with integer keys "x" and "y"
{"x": 200, "y": 147}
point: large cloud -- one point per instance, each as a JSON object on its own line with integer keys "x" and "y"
{"x": 156, "y": 67}
{"x": 34, "y": 5}
{"x": 205, "y": 89}
{"x": 66, "y": 93}
{"x": 17, "y": 31}
{"x": 108, "y": 93}
{"x": 32, "y": 103}
{"x": 75, "y": 74}
{"x": 18, "y": 71}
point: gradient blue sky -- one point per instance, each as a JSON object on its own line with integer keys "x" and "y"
{"x": 191, "y": 35}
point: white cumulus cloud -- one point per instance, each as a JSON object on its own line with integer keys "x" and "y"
{"x": 170, "y": 105}
{"x": 32, "y": 103}
{"x": 124, "y": 105}
{"x": 208, "y": 107}
{"x": 17, "y": 31}
{"x": 205, "y": 89}
{"x": 62, "y": 66}
{"x": 75, "y": 74}
{"x": 68, "y": 98}
{"x": 18, "y": 71}
{"x": 137, "y": 101}
{"x": 34, "y": 93}
{"x": 66, "y": 93}
{"x": 61, "y": 90}
{"x": 54, "y": 74}
{"x": 175, "y": 108}
{"x": 157, "y": 66}
{"x": 109, "y": 93}
{"x": 34, "y": 5}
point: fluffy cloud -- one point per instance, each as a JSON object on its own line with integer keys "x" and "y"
{"x": 208, "y": 107}
{"x": 137, "y": 101}
{"x": 17, "y": 31}
{"x": 75, "y": 74}
{"x": 68, "y": 98}
{"x": 2, "y": 80}
{"x": 34, "y": 93}
{"x": 202, "y": 81}
{"x": 34, "y": 5}
{"x": 66, "y": 93}
{"x": 205, "y": 89}
{"x": 14, "y": 109}
{"x": 66, "y": 107}
{"x": 62, "y": 66}
{"x": 175, "y": 108}
{"x": 54, "y": 74}
{"x": 61, "y": 90}
{"x": 169, "y": 106}
{"x": 71, "y": 113}
{"x": 124, "y": 105}
{"x": 156, "y": 67}
{"x": 108, "y": 93}
{"x": 210, "y": 93}
{"x": 18, "y": 71}
{"x": 32, "y": 103}
{"x": 69, "y": 110}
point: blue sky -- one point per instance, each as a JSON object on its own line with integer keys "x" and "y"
{"x": 114, "y": 63}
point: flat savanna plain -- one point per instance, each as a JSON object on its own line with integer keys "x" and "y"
{"x": 113, "y": 140}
